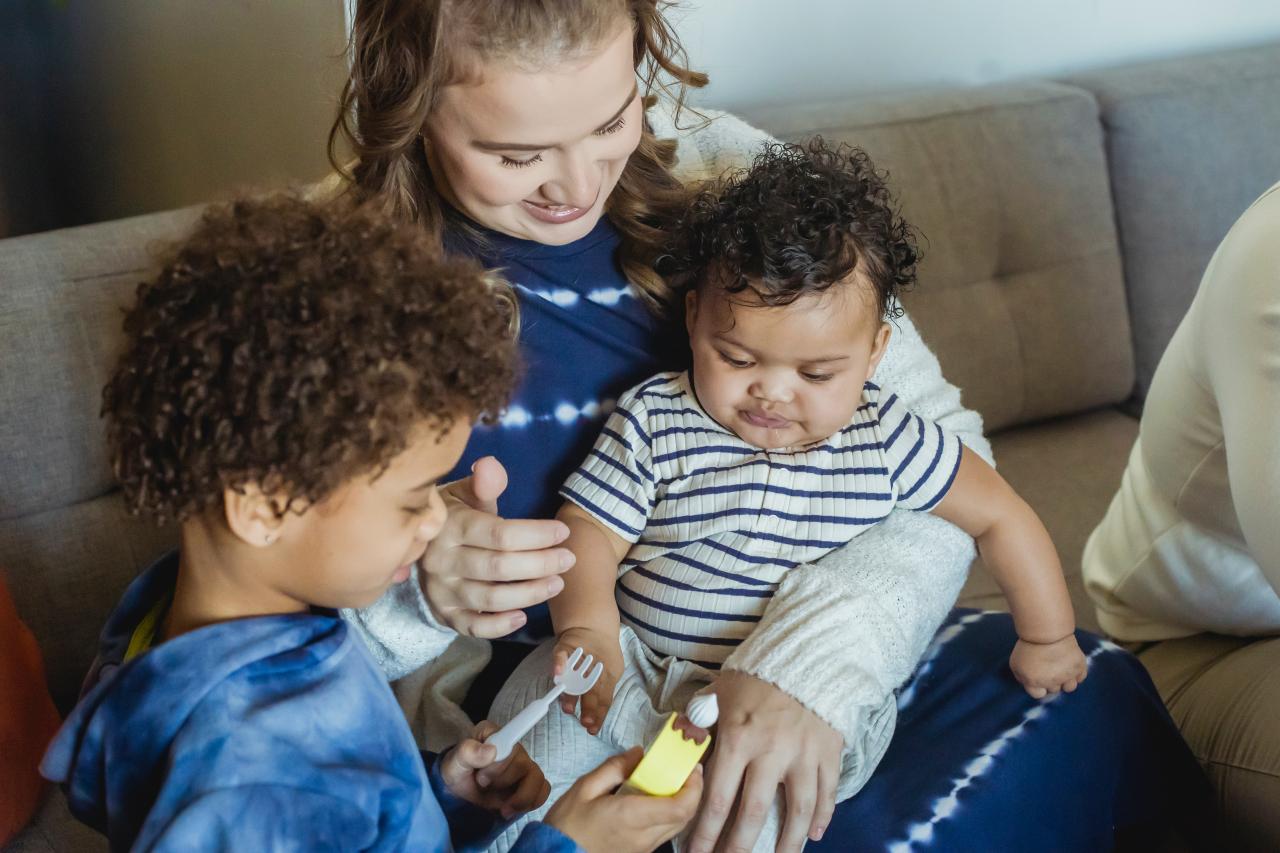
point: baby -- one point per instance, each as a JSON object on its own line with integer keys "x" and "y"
{"x": 706, "y": 487}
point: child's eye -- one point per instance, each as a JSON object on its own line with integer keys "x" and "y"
{"x": 816, "y": 377}
{"x": 416, "y": 510}
{"x": 613, "y": 128}
{"x": 512, "y": 163}
{"x": 735, "y": 362}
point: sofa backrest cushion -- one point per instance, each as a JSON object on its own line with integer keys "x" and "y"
{"x": 1190, "y": 143}
{"x": 67, "y": 547}
{"x": 1020, "y": 294}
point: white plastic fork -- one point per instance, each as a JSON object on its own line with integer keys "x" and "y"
{"x": 577, "y": 678}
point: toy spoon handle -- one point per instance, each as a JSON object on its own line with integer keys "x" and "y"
{"x": 509, "y": 735}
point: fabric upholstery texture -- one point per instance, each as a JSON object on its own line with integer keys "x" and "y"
{"x": 1190, "y": 144}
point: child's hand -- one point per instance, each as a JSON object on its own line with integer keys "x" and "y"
{"x": 508, "y": 787}
{"x": 1045, "y": 668}
{"x": 596, "y": 701}
{"x": 591, "y": 815}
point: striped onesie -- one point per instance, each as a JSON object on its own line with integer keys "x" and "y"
{"x": 716, "y": 522}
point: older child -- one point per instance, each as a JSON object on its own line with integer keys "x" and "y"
{"x": 295, "y": 382}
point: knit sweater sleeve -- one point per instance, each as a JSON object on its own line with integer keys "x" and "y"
{"x": 885, "y": 594}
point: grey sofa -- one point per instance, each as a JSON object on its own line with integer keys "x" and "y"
{"x": 1067, "y": 225}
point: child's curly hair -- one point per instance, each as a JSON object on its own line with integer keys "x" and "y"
{"x": 295, "y": 345}
{"x": 802, "y": 218}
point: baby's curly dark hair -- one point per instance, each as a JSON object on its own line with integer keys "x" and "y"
{"x": 801, "y": 218}
{"x": 294, "y": 345}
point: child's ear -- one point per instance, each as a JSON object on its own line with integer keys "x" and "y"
{"x": 878, "y": 347}
{"x": 253, "y": 516}
{"x": 690, "y": 310}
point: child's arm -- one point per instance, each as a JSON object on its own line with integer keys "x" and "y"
{"x": 1020, "y": 555}
{"x": 585, "y": 613}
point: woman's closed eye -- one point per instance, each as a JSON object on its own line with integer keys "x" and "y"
{"x": 512, "y": 163}
{"x": 614, "y": 127}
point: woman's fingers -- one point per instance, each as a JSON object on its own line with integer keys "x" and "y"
{"x": 488, "y": 597}
{"x": 482, "y": 489}
{"x": 490, "y": 532}
{"x": 486, "y": 626}
{"x": 759, "y": 789}
{"x": 825, "y": 806}
{"x": 720, "y": 789}
{"x": 486, "y": 564}
{"x": 800, "y": 789}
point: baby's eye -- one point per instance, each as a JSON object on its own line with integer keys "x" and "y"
{"x": 512, "y": 163}
{"x": 816, "y": 377}
{"x": 734, "y": 361}
{"x": 613, "y": 128}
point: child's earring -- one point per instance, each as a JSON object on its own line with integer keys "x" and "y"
{"x": 269, "y": 539}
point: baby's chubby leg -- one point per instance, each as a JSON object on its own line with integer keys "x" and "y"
{"x": 559, "y": 744}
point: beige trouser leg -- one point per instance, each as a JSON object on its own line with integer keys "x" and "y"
{"x": 1224, "y": 695}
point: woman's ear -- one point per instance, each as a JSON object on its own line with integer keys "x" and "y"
{"x": 878, "y": 347}
{"x": 690, "y": 310}
{"x": 255, "y": 518}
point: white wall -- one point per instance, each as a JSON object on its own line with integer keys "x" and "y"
{"x": 772, "y": 51}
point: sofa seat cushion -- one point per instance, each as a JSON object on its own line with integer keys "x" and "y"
{"x": 1068, "y": 470}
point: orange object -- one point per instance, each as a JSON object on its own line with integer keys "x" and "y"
{"x": 28, "y": 719}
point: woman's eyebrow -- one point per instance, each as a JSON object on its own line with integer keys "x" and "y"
{"x": 485, "y": 145}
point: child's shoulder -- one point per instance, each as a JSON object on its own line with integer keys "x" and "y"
{"x": 661, "y": 391}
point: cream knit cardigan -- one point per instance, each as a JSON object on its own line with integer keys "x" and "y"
{"x": 840, "y": 635}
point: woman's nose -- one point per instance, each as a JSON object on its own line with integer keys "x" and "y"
{"x": 576, "y": 182}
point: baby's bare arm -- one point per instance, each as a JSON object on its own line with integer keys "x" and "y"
{"x": 587, "y": 599}
{"x": 1015, "y": 547}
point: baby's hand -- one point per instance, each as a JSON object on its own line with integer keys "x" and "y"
{"x": 1045, "y": 668}
{"x": 596, "y": 701}
{"x": 508, "y": 787}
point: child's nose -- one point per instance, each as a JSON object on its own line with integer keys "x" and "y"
{"x": 772, "y": 389}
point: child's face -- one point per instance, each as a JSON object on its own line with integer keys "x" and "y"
{"x": 347, "y": 550}
{"x": 784, "y": 376}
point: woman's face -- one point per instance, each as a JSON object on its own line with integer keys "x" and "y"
{"x": 535, "y": 154}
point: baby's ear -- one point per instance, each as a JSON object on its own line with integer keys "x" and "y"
{"x": 878, "y": 348}
{"x": 255, "y": 518}
{"x": 690, "y": 310}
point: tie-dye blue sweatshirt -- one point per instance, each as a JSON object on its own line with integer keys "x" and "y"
{"x": 271, "y": 733}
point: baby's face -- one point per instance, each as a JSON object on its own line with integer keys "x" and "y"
{"x": 784, "y": 376}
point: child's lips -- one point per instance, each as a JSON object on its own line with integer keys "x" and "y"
{"x": 763, "y": 420}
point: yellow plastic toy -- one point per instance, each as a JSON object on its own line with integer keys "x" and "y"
{"x": 671, "y": 757}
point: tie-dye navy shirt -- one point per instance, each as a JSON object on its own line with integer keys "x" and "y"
{"x": 585, "y": 336}
{"x": 271, "y": 733}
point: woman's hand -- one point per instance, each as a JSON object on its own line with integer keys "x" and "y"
{"x": 600, "y": 822}
{"x": 509, "y": 787}
{"x": 482, "y": 570}
{"x": 765, "y": 739}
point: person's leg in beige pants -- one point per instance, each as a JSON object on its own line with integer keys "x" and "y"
{"x": 1224, "y": 694}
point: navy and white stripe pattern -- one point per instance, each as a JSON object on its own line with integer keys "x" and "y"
{"x": 716, "y": 522}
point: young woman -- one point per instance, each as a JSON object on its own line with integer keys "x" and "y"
{"x": 522, "y": 134}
